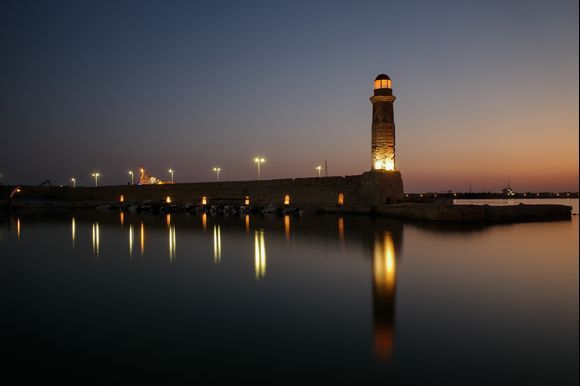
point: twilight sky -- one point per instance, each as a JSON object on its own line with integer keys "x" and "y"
{"x": 486, "y": 90}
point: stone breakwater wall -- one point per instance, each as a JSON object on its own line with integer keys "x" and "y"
{"x": 351, "y": 193}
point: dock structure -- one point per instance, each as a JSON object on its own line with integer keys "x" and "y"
{"x": 378, "y": 191}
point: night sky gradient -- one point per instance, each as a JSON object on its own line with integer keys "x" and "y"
{"x": 486, "y": 90}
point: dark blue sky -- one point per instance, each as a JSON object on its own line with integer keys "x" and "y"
{"x": 486, "y": 90}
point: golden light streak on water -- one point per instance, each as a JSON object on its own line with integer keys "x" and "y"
{"x": 341, "y": 228}
{"x": 259, "y": 254}
{"x": 168, "y": 219}
{"x": 142, "y": 238}
{"x": 73, "y": 227}
{"x": 18, "y": 227}
{"x": 247, "y": 222}
{"x": 384, "y": 281}
{"x": 384, "y": 264}
{"x": 131, "y": 237}
{"x": 122, "y": 217}
{"x": 287, "y": 226}
{"x": 204, "y": 221}
{"x": 217, "y": 244}
{"x": 96, "y": 238}
{"x": 172, "y": 243}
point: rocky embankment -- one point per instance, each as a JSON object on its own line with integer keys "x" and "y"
{"x": 474, "y": 213}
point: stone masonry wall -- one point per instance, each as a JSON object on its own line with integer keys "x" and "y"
{"x": 360, "y": 192}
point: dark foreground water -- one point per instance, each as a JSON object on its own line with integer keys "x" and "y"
{"x": 106, "y": 298}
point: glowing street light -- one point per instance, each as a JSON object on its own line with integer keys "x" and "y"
{"x": 14, "y": 191}
{"x": 74, "y": 181}
{"x": 171, "y": 172}
{"x": 217, "y": 171}
{"x": 96, "y": 176}
{"x": 259, "y": 161}
{"x": 318, "y": 169}
{"x": 131, "y": 174}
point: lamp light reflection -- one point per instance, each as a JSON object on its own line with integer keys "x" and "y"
{"x": 172, "y": 243}
{"x": 384, "y": 281}
{"x": 131, "y": 236}
{"x": 204, "y": 221}
{"x": 73, "y": 227}
{"x": 122, "y": 217}
{"x": 287, "y": 226}
{"x": 341, "y": 228}
{"x": 259, "y": 254}
{"x": 18, "y": 227}
{"x": 247, "y": 221}
{"x": 96, "y": 238}
{"x": 217, "y": 244}
{"x": 142, "y": 238}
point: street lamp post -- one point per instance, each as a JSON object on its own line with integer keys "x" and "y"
{"x": 171, "y": 172}
{"x": 96, "y": 175}
{"x": 259, "y": 161}
{"x": 319, "y": 168}
{"x": 74, "y": 181}
{"x": 131, "y": 174}
{"x": 217, "y": 172}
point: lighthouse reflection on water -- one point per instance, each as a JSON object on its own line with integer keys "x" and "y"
{"x": 386, "y": 248}
{"x": 382, "y": 243}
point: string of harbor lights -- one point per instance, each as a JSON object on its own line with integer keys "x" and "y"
{"x": 259, "y": 162}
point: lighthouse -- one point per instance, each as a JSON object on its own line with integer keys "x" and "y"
{"x": 383, "y": 125}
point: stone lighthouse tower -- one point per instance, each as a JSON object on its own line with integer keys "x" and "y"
{"x": 383, "y": 127}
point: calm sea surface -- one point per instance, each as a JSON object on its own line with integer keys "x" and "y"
{"x": 110, "y": 298}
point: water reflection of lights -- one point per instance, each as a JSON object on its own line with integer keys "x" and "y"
{"x": 18, "y": 227}
{"x": 96, "y": 238}
{"x": 73, "y": 227}
{"x": 287, "y": 226}
{"x": 341, "y": 228}
{"x": 131, "y": 237}
{"x": 217, "y": 244}
{"x": 259, "y": 254}
{"x": 168, "y": 219}
{"x": 142, "y": 238}
{"x": 384, "y": 264}
{"x": 172, "y": 242}
{"x": 204, "y": 221}
{"x": 247, "y": 222}
{"x": 122, "y": 217}
{"x": 384, "y": 281}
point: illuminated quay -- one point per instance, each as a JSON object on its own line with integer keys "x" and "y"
{"x": 377, "y": 191}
